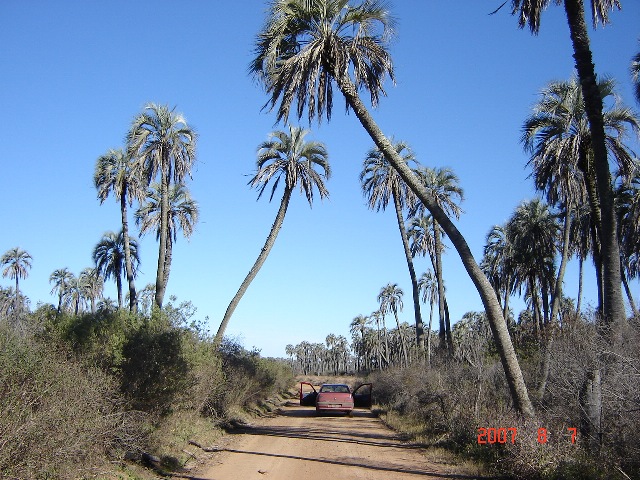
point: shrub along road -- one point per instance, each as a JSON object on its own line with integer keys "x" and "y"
{"x": 295, "y": 444}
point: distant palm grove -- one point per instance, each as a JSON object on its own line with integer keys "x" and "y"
{"x": 133, "y": 365}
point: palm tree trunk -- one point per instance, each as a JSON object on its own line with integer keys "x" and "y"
{"x": 513, "y": 373}
{"x": 627, "y": 290}
{"x": 264, "y": 253}
{"x": 133, "y": 301}
{"x": 429, "y": 336}
{"x": 167, "y": 260}
{"x": 164, "y": 229}
{"x": 580, "y": 279}
{"x": 447, "y": 326}
{"x": 555, "y": 306}
{"x": 119, "y": 287}
{"x": 438, "y": 266}
{"x": 557, "y": 293}
{"x": 412, "y": 273}
{"x": 403, "y": 344}
{"x": 613, "y": 305}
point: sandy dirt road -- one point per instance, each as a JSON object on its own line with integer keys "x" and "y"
{"x": 296, "y": 444}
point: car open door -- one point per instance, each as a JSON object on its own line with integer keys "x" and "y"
{"x": 362, "y": 395}
{"x": 308, "y": 397}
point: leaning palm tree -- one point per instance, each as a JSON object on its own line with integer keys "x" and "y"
{"x": 284, "y": 156}
{"x": 17, "y": 263}
{"x": 108, "y": 256}
{"x": 307, "y": 46}
{"x": 390, "y": 299}
{"x": 163, "y": 145}
{"x": 529, "y": 14}
{"x": 183, "y": 215}
{"x": 380, "y": 184}
{"x": 60, "y": 279}
{"x": 116, "y": 173}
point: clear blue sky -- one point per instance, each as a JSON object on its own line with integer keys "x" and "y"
{"x": 75, "y": 73}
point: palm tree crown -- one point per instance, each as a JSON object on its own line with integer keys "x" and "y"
{"x": 17, "y": 263}
{"x": 306, "y": 45}
{"x": 183, "y": 211}
{"x": 380, "y": 181}
{"x": 289, "y": 155}
{"x": 529, "y": 12}
{"x": 108, "y": 256}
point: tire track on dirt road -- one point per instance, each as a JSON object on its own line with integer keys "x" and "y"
{"x": 296, "y": 444}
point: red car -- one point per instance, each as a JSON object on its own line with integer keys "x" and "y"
{"x": 336, "y": 397}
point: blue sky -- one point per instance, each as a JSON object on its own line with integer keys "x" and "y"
{"x": 75, "y": 73}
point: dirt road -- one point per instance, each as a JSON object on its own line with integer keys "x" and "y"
{"x": 297, "y": 445}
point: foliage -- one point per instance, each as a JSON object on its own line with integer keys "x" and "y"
{"x": 79, "y": 391}
{"x": 450, "y": 412}
{"x": 58, "y": 418}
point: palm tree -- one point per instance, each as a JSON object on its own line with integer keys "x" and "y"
{"x": 381, "y": 183}
{"x": 108, "y": 256}
{"x": 183, "y": 215}
{"x": 529, "y": 13}
{"x": 390, "y": 299}
{"x": 497, "y": 263}
{"x": 304, "y": 47}
{"x": 60, "y": 279}
{"x": 429, "y": 289}
{"x": 92, "y": 285}
{"x": 558, "y": 137}
{"x": 162, "y": 144}
{"x": 357, "y": 327}
{"x": 17, "y": 263}
{"x": 285, "y": 155}
{"x": 74, "y": 295}
{"x": 442, "y": 183}
{"x": 117, "y": 172}
{"x": 533, "y": 231}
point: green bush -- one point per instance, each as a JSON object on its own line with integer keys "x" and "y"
{"x": 58, "y": 419}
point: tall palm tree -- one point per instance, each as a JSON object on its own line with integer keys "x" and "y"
{"x": 444, "y": 187}
{"x": 381, "y": 183}
{"x": 183, "y": 215}
{"x": 108, "y": 256}
{"x": 532, "y": 230}
{"x": 390, "y": 299}
{"x": 308, "y": 45}
{"x": 284, "y": 156}
{"x": 429, "y": 289}
{"x": 74, "y": 295}
{"x": 164, "y": 145}
{"x": 60, "y": 279}
{"x": 558, "y": 137}
{"x": 529, "y": 13}
{"x": 92, "y": 285}
{"x": 116, "y": 172}
{"x": 17, "y": 263}
{"x": 357, "y": 327}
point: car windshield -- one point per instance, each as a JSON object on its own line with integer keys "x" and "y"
{"x": 335, "y": 388}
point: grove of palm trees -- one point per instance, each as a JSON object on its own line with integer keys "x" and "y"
{"x": 542, "y": 341}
